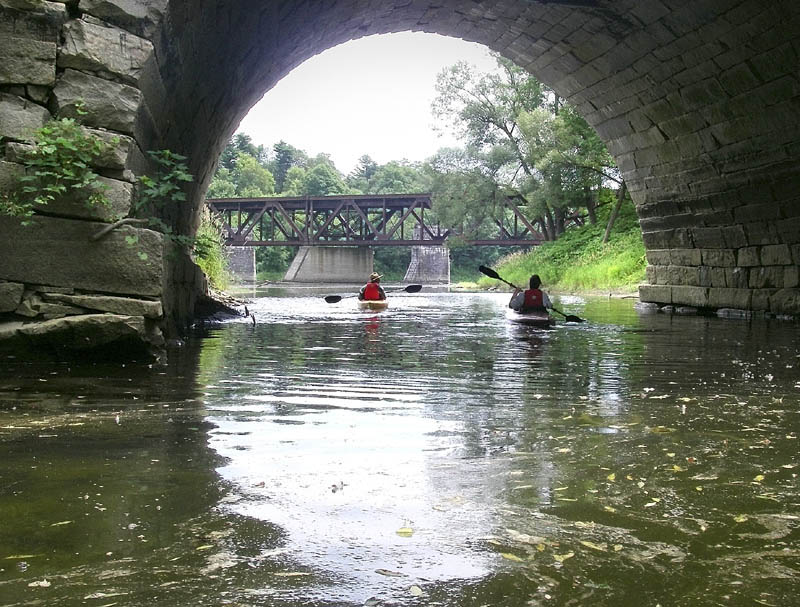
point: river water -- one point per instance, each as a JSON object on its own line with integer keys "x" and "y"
{"x": 431, "y": 454}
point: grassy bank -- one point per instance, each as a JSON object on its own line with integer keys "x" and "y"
{"x": 578, "y": 262}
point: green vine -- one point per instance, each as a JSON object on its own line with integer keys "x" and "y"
{"x": 165, "y": 188}
{"x": 60, "y": 161}
{"x": 58, "y": 164}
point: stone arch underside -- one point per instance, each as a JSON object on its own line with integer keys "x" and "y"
{"x": 698, "y": 102}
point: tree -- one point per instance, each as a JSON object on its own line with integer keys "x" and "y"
{"x": 251, "y": 179}
{"x": 274, "y": 260}
{"x": 485, "y": 111}
{"x": 323, "y": 180}
{"x": 227, "y": 158}
{"x": 247, "y": 179}
{"x": 293, "y": 182}
{"x": 576, "y": 154}
{"x": 243, "y": 144}
{"x": 520, "y": 136}
{"x": 358, "y": 179}
{"x": 286, "y": 157}
{"x": 222, "y": 186}
{"x": 463, "y": 191}
{"x": 366, "y": 167}
{"x": 397, "y": 178}
{"x": 240, "y": 143}
{"x": 483, "y": 108}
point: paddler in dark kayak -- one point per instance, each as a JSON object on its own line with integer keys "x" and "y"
{"x": 372, "y": 291}
{"x": 532, "y": 299}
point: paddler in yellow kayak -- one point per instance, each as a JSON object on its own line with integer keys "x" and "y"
{"x": 372, "y": 291}
{"x": 532, "y": 299}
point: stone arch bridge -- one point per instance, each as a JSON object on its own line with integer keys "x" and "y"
{"x": 697, "y": 101}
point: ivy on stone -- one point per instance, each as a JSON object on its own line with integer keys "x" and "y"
{"x": 156, "y": 193}
{"x": 58, "y": 164}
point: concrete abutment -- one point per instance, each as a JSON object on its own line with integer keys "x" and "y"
{"x": 318, "y": 264}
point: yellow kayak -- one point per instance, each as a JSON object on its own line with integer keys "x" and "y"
{"x": 375, "y": 305}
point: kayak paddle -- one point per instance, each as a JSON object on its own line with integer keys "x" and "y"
{"x": 408, "y": 289}
{"x": 569, "y": 317}
{"x": 492, "y": 274}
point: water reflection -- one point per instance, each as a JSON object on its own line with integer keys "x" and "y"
{"x": 429, "y": 454}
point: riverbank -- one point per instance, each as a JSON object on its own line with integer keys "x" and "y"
{"x": 579, "y": 262}
{"x": 618, "y": 293}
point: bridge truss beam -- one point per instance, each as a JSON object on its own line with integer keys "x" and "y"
{"x": 327, "y": 221}
{"x": 513, "y": 229}
{"x": 395, "y": 220}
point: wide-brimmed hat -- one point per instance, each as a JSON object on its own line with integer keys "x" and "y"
{"x": 374, "y": 276}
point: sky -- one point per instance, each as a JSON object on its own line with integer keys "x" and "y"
{"x": 368, "y": 96}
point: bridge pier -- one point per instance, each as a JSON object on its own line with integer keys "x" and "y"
{"x": 331, "y": 264}
{"x": 429, "y": 264}
{"x": 242, "y": 264}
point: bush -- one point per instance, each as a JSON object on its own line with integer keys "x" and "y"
{"x": 210, "y": 254}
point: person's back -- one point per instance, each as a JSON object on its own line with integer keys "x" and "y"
{"x": 372, "y": 291}
{"x": 532, "y": 299}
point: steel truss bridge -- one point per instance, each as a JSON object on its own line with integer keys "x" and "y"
{"x": 392, "y": 220}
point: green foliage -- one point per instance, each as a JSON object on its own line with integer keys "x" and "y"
{"x": 210, "y": 254}
{"x": 397, "y": 178}
{"x": 241, "y": 143}
{"x": 294, "y": 183}
{"x": 579, "y": 261}
{"x": 222, "y": 186}
{"x": 251, "y": 179}
{"x": 520, "y": 140}
{"x": 392, "y": 262}
{"x": 59, "y": 164}
{"x": 358, "y": 180}
{"x": 286, "y": 157}
{"x": 464, "y": 195}
{"x": 159, "y": 194}
{"x": 464, "y": 260}
{"x": 246, "y": 178}
{"x": 483, "y": 108}
{"x": 323, "y": 180}
{"x": 272, "y": 262}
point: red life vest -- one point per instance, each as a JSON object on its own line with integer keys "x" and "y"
{"x": 372, "y": 291}
{"x": 533, "y": 300}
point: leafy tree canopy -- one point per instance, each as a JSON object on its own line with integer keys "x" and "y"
{"x": 293, "y": 184}
{"x": 247, "y": 179}
{"x": 222, "y": 186}
{"x": 521, "y": 137}
{"x": 397, "y": 178}
{"x": 286, "y": 157}
{"x": 252, "y": 179}
{"x": 323, "y": 180}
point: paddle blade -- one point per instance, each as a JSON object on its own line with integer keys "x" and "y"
{"x": 489, "y": 272}
{"x": 333, "y": 299}
{"x": 569, "y": 317}
{"x": 413, "y": 288}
